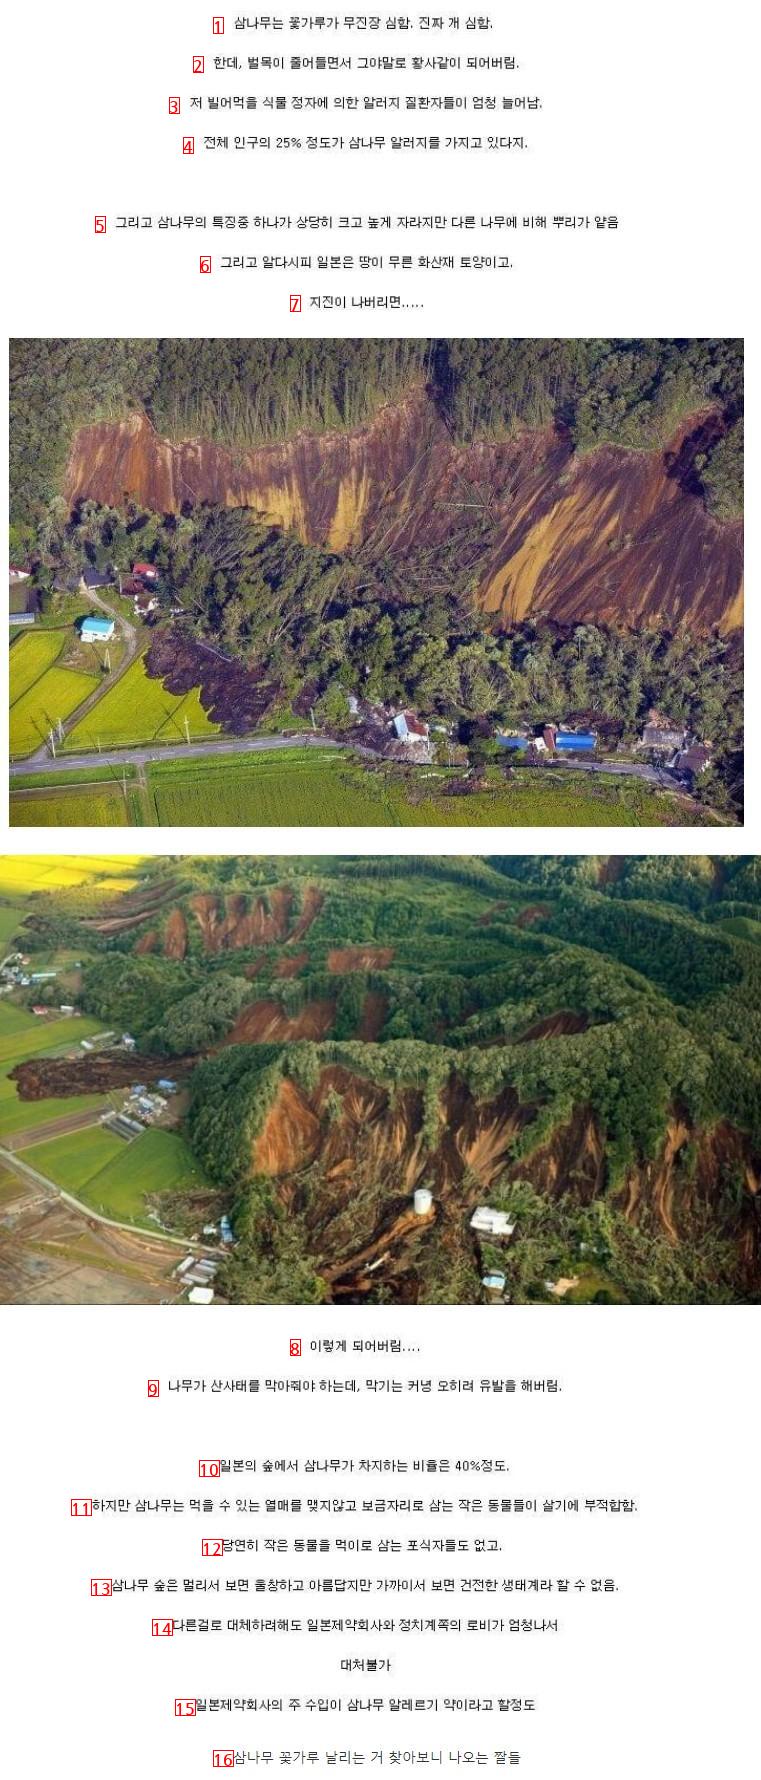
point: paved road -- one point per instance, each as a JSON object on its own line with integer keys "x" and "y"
{"x": 144, "y": 756}
{"x": 629, "y": 769}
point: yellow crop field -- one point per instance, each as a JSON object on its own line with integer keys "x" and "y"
{"x": 30, "y": 657}
{"x": 55, "y": 694}
{"x": 139, "y": 709}
{"x": 28, "y": 872}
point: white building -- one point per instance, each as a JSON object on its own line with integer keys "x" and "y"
{"x": 488, "y": 1222}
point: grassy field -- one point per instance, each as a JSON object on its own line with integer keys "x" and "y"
{"x": 26, "y": 1115}
{"x": 19, "y": 1041}
{"x": 10, "y": 920}
{"x": 743, "y": 928}
{"x": 139, "y": 709}
{"x": 75, "y": 807}
{"x": 73, "y": 1160}
{"x": 55, "y": 694}
{"x": 30, "y": 657}
{"x": 114, "y": 1177}
{"x": 84, "y": 775}
{"x": 300, "y": 787}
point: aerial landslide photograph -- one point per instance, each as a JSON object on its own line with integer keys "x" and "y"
{"x": 376, "y": 582}
{"x": 480, "y": 1081}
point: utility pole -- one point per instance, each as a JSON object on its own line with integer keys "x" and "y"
{"x": 187, "y": 731}
{"x": 60, "y": 730}
{"x": 107, "y": 662}
{"x": 52, "y": 743}
{"x": 311, "y": 713}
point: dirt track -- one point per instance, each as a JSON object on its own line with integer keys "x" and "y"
{"x": 25, "y": 1140}
{"x": 52, "y": 1254}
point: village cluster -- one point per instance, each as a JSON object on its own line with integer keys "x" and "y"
{"x": 666, "y": 752}
{"x": 664, "y": 743}
{"x": 142, "y": 587}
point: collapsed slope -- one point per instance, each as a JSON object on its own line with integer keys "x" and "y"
{"x": 613, "y": 536}
{"x": 539, "y": 1038}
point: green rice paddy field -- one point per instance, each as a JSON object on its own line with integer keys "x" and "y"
{"x": 138, "y": 709}
{"x": 110, "y": 1175}
{"x": 102, "y": 806}
{"x": 41, "y": 692}
{"x": 22, "y": 1035}
{"x": 299, "y": 787}
{"x": 114, "y": 1177}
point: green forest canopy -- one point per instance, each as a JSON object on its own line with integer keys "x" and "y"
{"x": 654, "y": 963}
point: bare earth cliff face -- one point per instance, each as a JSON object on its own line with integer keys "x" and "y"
{"x": 614, "y": 536}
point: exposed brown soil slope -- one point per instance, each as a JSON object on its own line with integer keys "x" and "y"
{"x": 343, "y": 959}
{"x": 176, "y": 935}
{"x": 371, "y": 1156}
{"x": 373, "y": 1017}
{"x": 266, "y": 1022}
{"x": 559, "y": 1025}
{"x": 617, "y": 536}
{"x": 366, "y": 1158}
{"x": 234, "y": 923}
{"x": 290, "y": 966}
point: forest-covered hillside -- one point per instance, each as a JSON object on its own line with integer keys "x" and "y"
{"x": 573, "y": 1041}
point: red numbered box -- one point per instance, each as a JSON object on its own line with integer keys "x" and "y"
{"x": 153, "y": 1387}
{"x": 218, "y": 26}
{"x": 209, "y": 1467}
{"x": 81, "y": 1507}
{"x": 184, "y": 1708}
{"x": 101, "y": 225}
{"x": 188, "y": 145}
{"x": 294, "y": 1349}
{"x": 295, "y": 305}
{"x": 223, "y": 1758}
{"x": 204, "y": 263}
{"x": 174, "y": 106}
{"x": 101, "y": 1587}
{"x": 198, "y": 64}
{"x": 162, "y": 1628}
{"x": 212, "y": 1548}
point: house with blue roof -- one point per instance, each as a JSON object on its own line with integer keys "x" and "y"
{"x": 97, "y": 630}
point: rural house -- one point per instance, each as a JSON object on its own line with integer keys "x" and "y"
{"x": 409, "y": 728}
{"x": 145, "y": 571}
{"x": 97, "y": 630}
{"x": 692, "y": 761}
{"x": 662, "y": 732}
{"x": 91, "y": 579}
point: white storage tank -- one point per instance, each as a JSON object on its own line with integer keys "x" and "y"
{"x": 422, "y": 1201}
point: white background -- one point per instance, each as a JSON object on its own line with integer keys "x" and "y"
{"x": 652, "y": 1682}
{"x": 645, "y": 114}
